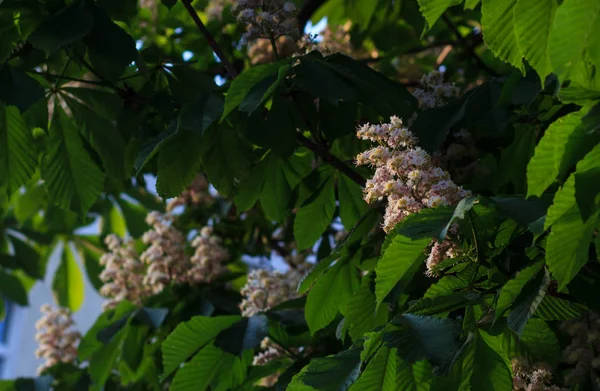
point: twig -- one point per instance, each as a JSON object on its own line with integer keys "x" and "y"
{"x": 210, "y": 39}
{"x": 415, "y": 50}
{"x": 331, "y": 159}
{"x": 58, "y": 77}
{"x": 469, "y": 49}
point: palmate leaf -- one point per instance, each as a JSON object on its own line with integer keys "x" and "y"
{"x": 554, "y": 308}
{"x": 380, "y": 373}
{"x": 68, "y": 284}
{"x": 489, "y": 367}
{"x": 399, "y": 262}
{"x": 315, "y": 215}
{"x": 574, "y": 31}
{"x": 359, "y": 311}
{"x": 18, "y": 156}
{"x": 499, "y": 31}
{"x": 330, "y": 294}
{"x": 569, "y": 240}
{"x": 413, "y": 377}
{"x": 188, "y": 337}
{"x": 512, "y": 289}
{"x": 533, "y": 21}
{"x": 564, "y": 143}
{"x": 587, "y": 185}
{"x": 64, "y": 27}
{"x": 331, "y": 373}
{"x": 433, "y": 9}
{"x": 209, "y": 366}
{"x": 539, "y": 341}
{"x": 72, "y": 178}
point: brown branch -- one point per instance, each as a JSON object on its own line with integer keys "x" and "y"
{"x": 332, "y": 160}
{"x": 469, "y": 49}
{"x": 210, "y": 39}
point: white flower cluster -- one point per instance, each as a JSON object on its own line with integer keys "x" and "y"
{"x": 269, "y": 19}
{"x": 162, "y": 263}
{"x": 407, "y": 178}
{"x": 195, "y": 195}
{"x": 266, "y": 289}
{"x": 208, "y": 259}
{"x": 434, "y": 92}
{"x": 165, "y": 258}
{"x": 584, "y": 347}
{"x": 123, "y": 273}
{"x": 56, "y": 338}
{"x": 532, "y": 378}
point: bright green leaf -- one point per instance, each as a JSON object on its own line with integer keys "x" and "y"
{"x": 18, "y": 156}
{"x": 68, "y": 284}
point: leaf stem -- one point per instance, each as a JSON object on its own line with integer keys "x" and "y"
{"x": 210, "y": 39}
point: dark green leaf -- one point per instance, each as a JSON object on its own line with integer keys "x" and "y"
{"x": 243, "y": 335}
{"x": 315, "y": 215}
{"x": 178, "y": 163}
{"x": 18, "y": 157}
{"x": 201, "y": 113}
{"x": 12, "y": 288}
{"x": 65, "y": 27}
{"x": 19, "y": 89}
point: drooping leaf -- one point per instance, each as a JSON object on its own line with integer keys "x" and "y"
{"x": 315, "y": 215}
{"x": 178, "y": 163}
{"x": 68, "y": 284}
{"x": 329, "y": 295}
{"x": 398, "y": 263}
{"x": 65, "y": 27}
{"x": 499, "y": 31}
{"x": 533, "y": 21}
{"x": 72, "y": 178}
{"x": 18, "y": 157}
{"x": 573, "y": 32}
{"x": 188, "y": 337}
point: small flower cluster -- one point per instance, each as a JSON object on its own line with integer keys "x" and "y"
{"x": 266, "y": 289}
{"x": 532, "y": 378}
{"x": 585, "y": 343}
{"x": 434, "y": 92}
{"x": 209, "y": 257}
{"x": 123, "y": 274}
{"x": 56, "y": 338}
{"x": 165, "y": 258}
{"x": 163, "y": 262}
{"x": 195, "y": 195}
{"x": 406, "y": 176}
{"x": 269, "y": 19}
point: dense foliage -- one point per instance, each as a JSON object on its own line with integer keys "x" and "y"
{"x": 332, "y": 216}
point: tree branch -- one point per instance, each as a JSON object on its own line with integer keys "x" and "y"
{"x": 324, "y": 153}
{"x": 210, "y": 39}
{"x": 469, "y": 49}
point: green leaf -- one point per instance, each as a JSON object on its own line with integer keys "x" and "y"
{"x": 512, "y": 289}
{"x": 315, "y": 215}
{"x": 188, "y": 337}
{"x": 573, "y": 32}
{"x": 72, "y": 178}
{"x": 90, "y": 254}
{"x": 533, "y": 21}
{"x": 423, "y": 337}
{"x": 264, "y": 89}
{"x": 9, "y": 34}
{"x": 413, "y": 377}
{"x": 540, "y": 342}
{"x": 19, "y": 89}
{"x": 243, "y": 84}
{"x": 315, "y": 272}
{"x": 110, "y": 48}
{"x": 399, "y": 262}
{"x": 529, "y": 299}
{"x": 444, "y": 304}
{"x": 329, "y": 295}
{"x": 123, "y": 10}
{"x": 12, "y": 288}
{"x": 178, "y": 163}
{"x": 64, "y": 27}
{"x": 101, "y": 134}
{"x": 277, "y": 190}
{"x": 380, "y": 373}
{"x": 490, "y": 371}
{"x": 202, "y": 370}
{"x": 152, "y": 146}
{"x": 587, "y": 186}
{"x": 499, "y": 31}
{"x": 224, "y": 158}
{"x": 427, "y": 223}
{"x": 360, "y": 312}
{"x": 569, "y": 240}
{"x": 103, "y": 360}
{"x": 564, "y": 143}
{"x": 28, "y": 257}
{"x": 18, "y": 157}
{"x": 249, "y": 191}
{"x": 554, "y": 308}
{"x": 433, "y": 9}
{"x": 68, "y": 285}
{"x": 331, "y": 373}
{"x": 245, "y": 334}
{"x": 361, "y": 12}
{"x": 201, "y": 113}
{"x": 135, "y": 217}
